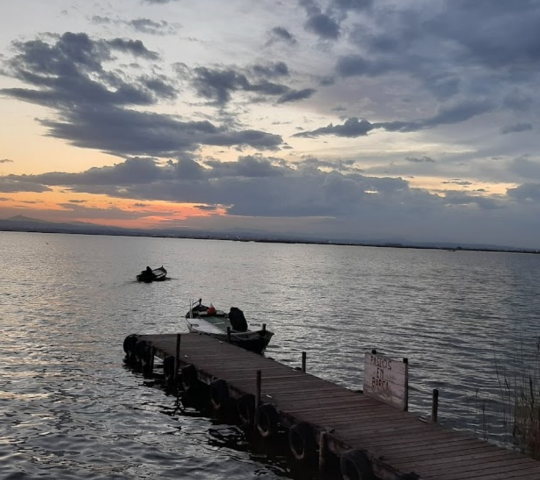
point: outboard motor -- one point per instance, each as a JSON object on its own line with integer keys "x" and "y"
{"x": 237, "y": 319}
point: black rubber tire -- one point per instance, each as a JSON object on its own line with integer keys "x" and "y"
{"x": 355, "y": 465}
{"x": 140, "y": 351}
{"x": 302, "y": 441}
{"x": 168, "y": 368}
{"x": 246, "y": 409}
{"x": 267, "y": 420}
{"x": 129, "y": 343}
{"x": 190, "y": 377}
{"x": 219, "y": 394}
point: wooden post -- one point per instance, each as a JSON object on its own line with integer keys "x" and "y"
{"x": 264, "y": 327}
{"x": 177, "y": 358}
{"x": 406, "y": 362}
{"x": 151, "y": 361}
{"x": 258, "y": 390}
{"x": 435, "y": 406}
{"x": 228, "y": 334}
{"x": 323, "y": 449}
{"x": 304, "y": 356}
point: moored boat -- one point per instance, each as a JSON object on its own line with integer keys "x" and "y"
{"x": 209, "y": 321}
{"x": 155, "y": 275}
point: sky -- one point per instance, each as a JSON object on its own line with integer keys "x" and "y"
{"x": 360, "y": 120}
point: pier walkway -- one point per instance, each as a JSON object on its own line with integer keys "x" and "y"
{"x": 397, "y": 444}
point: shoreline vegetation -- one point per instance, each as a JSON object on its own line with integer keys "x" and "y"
{"x": 511, "y": 418}
{"x": 521, "y": 401}
{"x": 30, "y": 225}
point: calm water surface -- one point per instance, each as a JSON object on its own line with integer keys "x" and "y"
{"x": 69, "y": 409}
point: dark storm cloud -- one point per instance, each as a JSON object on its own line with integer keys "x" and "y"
{"x": 151, "y": 27}
{"x": 133, "y": 171}
{"x": 14, "y": 184}
{"x": 423, "y": 159}
{"x": 141, "y": 25}
{"x": 254, "y": 185}
{"x": 343, "y": 166}
{"x": 447, "y": 115}
{"x": 516, "y": 128}
{"x": 70, "y": 73}
{"x": 525, "y": 168}
{"x": 509, "y": 33}
{"x": 6, "y": 160}
{"x": 218, "y": 85}
{"x": 277, "y": 69}
{"x": 139, "y": 133}
{"x": 525, "y": 192}
{"x": 351, "y": 128}
{"x": 463, "y": 183}
{"x": 248, "y": 166}
{"x": 295, "y": 95}
{"x": 437, "y": 44}
{"x": 93, "y": 105}
{"x": 281, "y": 34}
{"x": 135, "y": 47}
{"x": 319, "y": 23}
{"x": 356, "y": 65}
{"x": 460, "y": 198}
{"x": 352, "y": 4}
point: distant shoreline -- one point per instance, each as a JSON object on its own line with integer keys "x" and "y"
{"x": 247, "y": 239}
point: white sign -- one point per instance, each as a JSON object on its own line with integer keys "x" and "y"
{"x": 387, "y": 380}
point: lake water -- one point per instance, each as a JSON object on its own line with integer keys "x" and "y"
{"x": 70, "y": 409}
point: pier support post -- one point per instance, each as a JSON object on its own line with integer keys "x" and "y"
{"x": 264, "y": 327}
{"x": 406, "y": 362}
{"x": 323, "y": 449}
{"x": 435, "y": 406}
{"x": 258, "y": 390}
{"x": 177, "y": 358}
{"x": 304, "y": 357}
{"x": 150, "y": 367}
{"x": 228, "y": 334}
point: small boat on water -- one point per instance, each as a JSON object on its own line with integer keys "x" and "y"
{"x": 209, "y": 321}
{"x": 155, "y": 275}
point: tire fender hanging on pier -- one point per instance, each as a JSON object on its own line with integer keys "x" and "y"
{"x": 141, "y": 353}
{"x": 219, "y": 394}
{"x": 246, "y": 408}
{"x": 302, "y": 441}
{"x": 355, "y": 465}
{"x": 168, "y": 368}
{"x": 267, "y": 420}
{"x": 190, "y": 377}
{"x": 130, "y": 343}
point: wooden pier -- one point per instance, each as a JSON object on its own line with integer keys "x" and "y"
{"x": 372, "y": 439}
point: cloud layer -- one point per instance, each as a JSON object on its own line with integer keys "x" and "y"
{"x": 350, "y": 117}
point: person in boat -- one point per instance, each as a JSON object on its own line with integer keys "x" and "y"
{"x": 237, "y": 319}
{"x": 148, "y": 274}
{"x": 211, "y": 310}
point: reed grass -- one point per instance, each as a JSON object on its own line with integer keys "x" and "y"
{"x": 520, "y": 396}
